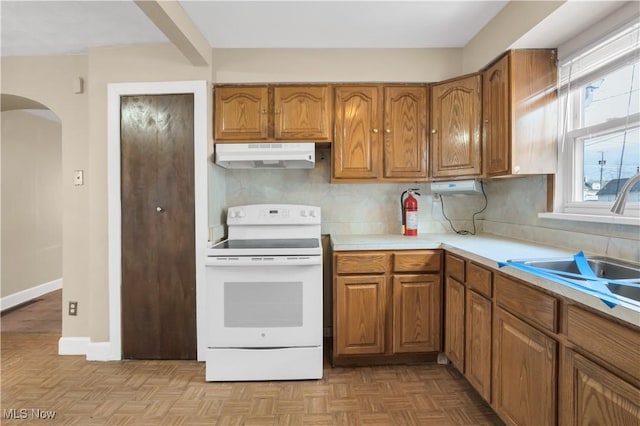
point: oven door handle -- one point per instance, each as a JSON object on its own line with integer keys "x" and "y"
{"x": 263, "y": 261}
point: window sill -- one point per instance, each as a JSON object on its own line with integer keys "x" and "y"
{"x": 577, "y": 217}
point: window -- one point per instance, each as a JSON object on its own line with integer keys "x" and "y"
{"x": 600, "y": 120}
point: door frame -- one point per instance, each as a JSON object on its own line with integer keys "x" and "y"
{"x": 113, "y": 349}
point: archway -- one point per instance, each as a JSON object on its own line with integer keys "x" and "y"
{"x": 31, "y": 207}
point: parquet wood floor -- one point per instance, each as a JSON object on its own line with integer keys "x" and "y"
{"x": 175, "y": 393}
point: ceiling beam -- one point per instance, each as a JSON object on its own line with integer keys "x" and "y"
{"x": 173, "y": 21}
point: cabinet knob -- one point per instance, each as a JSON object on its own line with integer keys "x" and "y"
{"x": 375, "y": 130}
{"x": 276, "y": 111}
{"x": 159, "y": 209}
{"x": 434, "y": 131}
{"x": 387, "y": 130}
{"x": 264, "y": 111}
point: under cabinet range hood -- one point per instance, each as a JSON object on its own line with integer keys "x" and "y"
{"x": 259, "y": 155}
{"x": 458, "y": 187}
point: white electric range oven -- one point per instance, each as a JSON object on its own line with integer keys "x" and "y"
{"x": 264, "y": 295}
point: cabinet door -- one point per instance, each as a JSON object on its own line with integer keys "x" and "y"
{"x": 416, "y": 313}
{"x": 524, "y": 372}
{"x": 361, "y": 311}
{"x": 405, "y": 132}
{"x": 477, "y": 368}
{"x": 497, "y": 119}
{"x": 242, "y": 113}
{"x": 594, "y": 396}
{"x": 302, "y": 113}
{"x": 356, "y": 148}
{"x": 454, "y": 323}
{"x": 455, "y": 131}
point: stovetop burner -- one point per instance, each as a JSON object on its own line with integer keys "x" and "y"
{"x": 284, "y": 243}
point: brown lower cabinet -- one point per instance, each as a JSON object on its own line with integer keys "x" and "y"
{"x": 534, "y": 356}
{"x": 477, "y": 366}
{"x": 594, "y": 395}
{"x": 524, "y": 372}
{"x": 387, "y": 306}
{"x": 454, "y": 322}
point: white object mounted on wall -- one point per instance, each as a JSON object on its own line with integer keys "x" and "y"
{"x": 78, "y": 177}
{"x": 77, "y": 85}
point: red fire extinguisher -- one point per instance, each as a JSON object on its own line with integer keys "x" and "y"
{"x": 409, "y": 207}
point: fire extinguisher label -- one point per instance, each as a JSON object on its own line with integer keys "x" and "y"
{"x": 412, "y": 220}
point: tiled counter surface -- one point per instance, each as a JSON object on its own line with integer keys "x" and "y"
{"x": 488, "y": 250}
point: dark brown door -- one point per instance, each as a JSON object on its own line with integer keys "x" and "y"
{"x": 158, "y": 227}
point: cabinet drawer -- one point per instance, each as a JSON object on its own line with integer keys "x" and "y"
{"x": 479, "y": 279}
{"x": 422, "y": 261}
{"x": 528, "y": 303}
{"x": 362, "y": 263}
{"x": 608, "y": 340}
{"x": 454, "y": 267}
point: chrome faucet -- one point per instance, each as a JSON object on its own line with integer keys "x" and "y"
{"x": 621, "y": 200}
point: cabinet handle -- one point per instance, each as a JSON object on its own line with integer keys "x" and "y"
{"x": 264, "y": 111}
{"x": 388, "y": 130}
{"x": 434, "y": 131}
{"x": 375, "y": 130}
{"x": 276, "y": 111}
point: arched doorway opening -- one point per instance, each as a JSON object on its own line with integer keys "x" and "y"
{"x": 31, "y": 210}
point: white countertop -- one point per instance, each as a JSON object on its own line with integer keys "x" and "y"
{"x": 487, "y": 250}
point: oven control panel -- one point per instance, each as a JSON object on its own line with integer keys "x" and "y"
{"x": 276, "y": 214}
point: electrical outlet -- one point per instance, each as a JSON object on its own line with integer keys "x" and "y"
{"x": 73, "y": 308}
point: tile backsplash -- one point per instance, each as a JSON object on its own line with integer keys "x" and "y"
{"x": 512, "y": 211}
{"x": 346, "y": 208}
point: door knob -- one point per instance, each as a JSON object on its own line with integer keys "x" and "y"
{"x": 159, "y": 209}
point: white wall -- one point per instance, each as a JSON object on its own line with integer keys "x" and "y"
{"x": 335, "y": 65}
{"x": 31, "y": 201}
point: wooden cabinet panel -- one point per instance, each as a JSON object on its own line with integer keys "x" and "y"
{"x": 303, "y": 113}
{"x": 613, "y": 343}
{"x": 479, "y": 279}
{"x": 356, "y": 150}
{"x": 454, "y": 322}
{"x": 416, "y": 313}
{"x": 497, "y": 120}
{"x": 454, "y": 267}
{"x": 241, "y": 113}
{"x": 361, "y": 311}
{"x": 363, "y": 262}
{"x": 455, "y": 128}
{"x": 477, "y": 360}
{"x": 405, "y": 132}
{"x": 524, "y": 372}
{"x": 528, "y": 303}
{"x": 520, "y": 113}
{"x": 590, "y": 395}
{"x": 422, "y": 261}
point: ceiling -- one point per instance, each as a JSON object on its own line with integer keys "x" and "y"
{"x": 71, "y": 27}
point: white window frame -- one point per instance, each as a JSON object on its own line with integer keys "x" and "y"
{"x": 569, "y": 176}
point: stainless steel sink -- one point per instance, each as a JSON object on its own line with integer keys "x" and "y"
{"x": 604, "y": 267}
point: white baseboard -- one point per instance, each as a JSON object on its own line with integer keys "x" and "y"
{"x": 73, "y": 345}
{"x": 102, "y": 351}
{"x": 23, "y": 296}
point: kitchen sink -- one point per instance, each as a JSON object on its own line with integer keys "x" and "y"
{"x": 611, "y": 269}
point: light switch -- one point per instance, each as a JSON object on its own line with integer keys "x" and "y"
{"x": 78, "y": 177}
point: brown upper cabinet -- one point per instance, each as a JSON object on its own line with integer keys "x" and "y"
{"x": 273, "y": 113}
{"x": 456, "y": 128}
{"x": 520, "y": 113}
{"x": 380, "y": 133}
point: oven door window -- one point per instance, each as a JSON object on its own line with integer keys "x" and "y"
{"x": 271, "y": 304}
